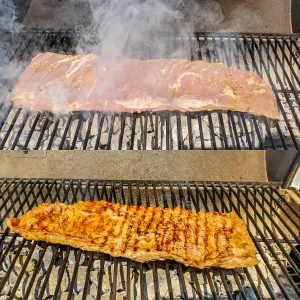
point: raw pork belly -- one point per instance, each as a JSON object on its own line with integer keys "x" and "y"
{"x": 62, "y": 83}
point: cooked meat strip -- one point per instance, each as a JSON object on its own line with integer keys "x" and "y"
{"x": 142, "y": 233}
{"x": 61, "y": 83}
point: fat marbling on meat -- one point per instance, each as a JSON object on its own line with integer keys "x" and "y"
{"x": 61, "y": 83}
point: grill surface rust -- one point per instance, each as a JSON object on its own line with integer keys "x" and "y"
{"x": 274, "y": 57}
{"x": 37, "y": 270}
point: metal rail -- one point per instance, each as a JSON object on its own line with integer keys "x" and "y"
{"x": 34, "y": 269}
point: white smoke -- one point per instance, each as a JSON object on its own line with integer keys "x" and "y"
{"x": 8, "y": 16}
{"x": 243, "y": 18}
{"x": 9, "y": 69}
{"x": 125, "y": 27}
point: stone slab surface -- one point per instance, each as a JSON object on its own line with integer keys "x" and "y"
{"x": 136, "y": 165}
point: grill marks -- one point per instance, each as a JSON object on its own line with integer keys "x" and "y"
{"x": 144, "y": 226}
{"x": 133, "y": 239}
{"x": 130, "y": 224}
{"x": 124, "y": 227}
{"x": 205, "y": 237}
{"x": 186, "y": 230}
{"x": 167, "y": 231}
{"x": 179, "y": 248}
{"x": 154, "y": 228}
{"x": 212, "y": 234}
{"x": 142, "y": 233}
{"x": 192, "y": 235}
{"x": 113, "y": 224}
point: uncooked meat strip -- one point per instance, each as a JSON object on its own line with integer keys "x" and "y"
{"x": 63, "y": 83}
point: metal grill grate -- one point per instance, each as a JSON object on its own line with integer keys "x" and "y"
{"x": 34, "y": 270}
{"x": 274, "y": 57}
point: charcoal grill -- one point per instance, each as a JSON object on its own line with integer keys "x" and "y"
{"x": 36, "y": 270}
{"x": 274, "y": 57}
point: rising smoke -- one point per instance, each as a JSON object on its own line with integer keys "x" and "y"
{"x": 125, "y": 27}
{"x": 9, "y": 69}
{"x": 8, "y": 16}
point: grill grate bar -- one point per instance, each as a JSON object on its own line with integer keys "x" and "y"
{"x": 281, "y": 136}
{"x": 53, "y": 135}
{"x": 223, "y": 132}
{"x": 111, "y": 130}
{"x": 43, "y": 129}
{"x": 196, "y": 285}
{"x": 133, "y": 123}
{"x": 100, "y": 277}
{"x": 87, "y": 278}
{"x": 155, "y": 282}
{"x": 212, "y": 133}
{"x": 100, "y": 125}
{"x": 63, "y": 140}
{"x": 261, "y": 146}
{"x": 201, "y": 132}
{"x": 238, "y": 146}
{"x": 77, "y": 132}
{"x": 31, "y": 131}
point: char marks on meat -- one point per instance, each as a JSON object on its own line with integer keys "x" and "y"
{"x": 62, "y": 83}
{"x": 202, "y": 240}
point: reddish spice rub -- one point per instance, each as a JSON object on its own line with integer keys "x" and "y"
{"x": 142, "y": 233}
{"x": 61, "y": 83}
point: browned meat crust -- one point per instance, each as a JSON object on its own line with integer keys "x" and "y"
{"x": 142, "y": 233}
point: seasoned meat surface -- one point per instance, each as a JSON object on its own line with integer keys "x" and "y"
{"x": 142, "y": 233}
{"x": 62, "y": 83}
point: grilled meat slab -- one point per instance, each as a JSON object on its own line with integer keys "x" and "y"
{"x": 142, "y": 233}
{"x": 62, "y": 83}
